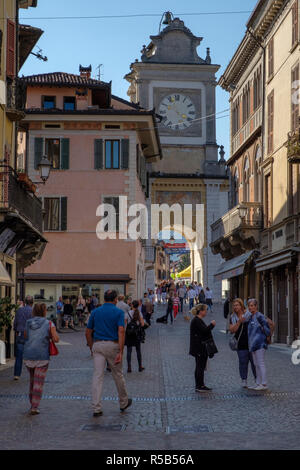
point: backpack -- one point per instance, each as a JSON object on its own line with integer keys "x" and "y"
{"x": 271, "y": 325}
{"x": 132, "y": 329}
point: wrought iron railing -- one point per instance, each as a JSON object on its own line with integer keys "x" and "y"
{"x": 16, "y": 95}
{"x": 13, "y": 197}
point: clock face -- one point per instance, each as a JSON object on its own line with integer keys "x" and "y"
{"x": 178, "y": 111}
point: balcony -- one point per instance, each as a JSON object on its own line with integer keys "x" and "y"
{"x": 238, "y": 230}
{"x": 17, "y": 203}
{"x": 281, "y": 236}
{"x": 293, "y": 146}
{"x": 250, "y": 126}
{"x": 15, "y": 99}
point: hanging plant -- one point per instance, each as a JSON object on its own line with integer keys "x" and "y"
{"x": 7, "y": 310}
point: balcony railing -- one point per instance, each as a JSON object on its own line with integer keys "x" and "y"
{"x": 250, "y": 126}
{"x": 247, "y": 215}
{"x": 15, "y": 99}
{"x": 14, "y": 198}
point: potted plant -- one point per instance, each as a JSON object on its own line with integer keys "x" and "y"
{"x": 7, "y": 309}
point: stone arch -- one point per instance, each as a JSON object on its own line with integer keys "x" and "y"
{"x": 246, "y": 179}
{"x": 257, "y": 161}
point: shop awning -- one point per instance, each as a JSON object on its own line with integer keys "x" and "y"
{"x": 5, "y": 279}
{"x": 275, "y": 260}
{"x": 234, "y": 267}
{"x": 186, "y": 273}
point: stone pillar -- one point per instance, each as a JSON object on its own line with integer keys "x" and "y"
{"x": 289, "y": 280}
{"x": 274, "y": 304}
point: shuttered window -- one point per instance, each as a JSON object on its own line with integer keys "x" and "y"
{"x": 295, "y": 24}
{"x": 295, "y": 98}
{"x": 271, "y": 122}
{"x": 271, "y": 58}
{"x": 98, "y": 154}
{"x": 116, "y": 154}
{"x": 55, "y": 219}
{"x": 11, "y": 48}
{"x": 56, "y": 150}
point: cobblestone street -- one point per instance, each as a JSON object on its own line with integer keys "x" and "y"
{"x": 166, "y": 412}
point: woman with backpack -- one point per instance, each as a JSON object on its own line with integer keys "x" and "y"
{"x": 39, "y": 331}
{"x": 239, "y": 328}
{"x": 135, "y": 334}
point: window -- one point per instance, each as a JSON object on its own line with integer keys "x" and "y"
{"x": 257, "y": 89}
{"x": 113, "y": 224}
{"x": 246, "y": 103}
{"x": 236, "y": 117}
{"x": 268, "y": 207}
{"x": 112, "y": 154}
{"x": 246, "y": 180}
{"x": 257, "y": 175}
{"x": 270, "y": 122}
{"x": 294, "y": 188}
{"x": 57, "y": 151}
{"x": 271, "y": 58}
{"x": 69, "y": 103}
{"x": 295, "y": 27}
{"x": 52, "y": 149}
{"x": 235, "y": 189}
{"x": 55, "y": 214}
{"x": 48, "y": 102}
{"x": 295, "y": 98}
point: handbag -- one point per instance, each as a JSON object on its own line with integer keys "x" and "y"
{"x": 53, "y": 351}
{"x": 210, "y": 347}
{"x": 233, "y": 342}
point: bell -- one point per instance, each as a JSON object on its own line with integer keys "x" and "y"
{"x": 168, "y": 18}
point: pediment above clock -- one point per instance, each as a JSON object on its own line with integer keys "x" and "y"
{"x": 175, "y": 44}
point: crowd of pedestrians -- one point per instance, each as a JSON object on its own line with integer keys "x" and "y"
{"x": 121, "y": 322}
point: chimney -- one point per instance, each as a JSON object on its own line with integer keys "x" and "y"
{"x": 85, "y": 72}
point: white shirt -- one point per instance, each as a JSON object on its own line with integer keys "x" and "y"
{"x": 191, "y": 294}
{"x": 208, "y": 294}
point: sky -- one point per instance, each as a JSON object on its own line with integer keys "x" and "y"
{"x": 116, "y": 42}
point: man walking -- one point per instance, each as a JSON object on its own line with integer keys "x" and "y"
{"x": 105, "y": 336}
{"x": 22, "y": 315}
{"x": 181, "y": 294}
{"x": 122, "y": 304}
{"x": 59, "y": 313}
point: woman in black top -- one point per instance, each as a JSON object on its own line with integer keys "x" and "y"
{"x": 200, "y": 332}
{"x": 239, "y": 327}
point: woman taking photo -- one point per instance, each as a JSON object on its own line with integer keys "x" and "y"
{"x": 134, "y": 322}
{"x": 258, "y": 331}
{"x": 239, "y": 328}
{"x": 199, "y": 333}
{"x": 38, "y": 332}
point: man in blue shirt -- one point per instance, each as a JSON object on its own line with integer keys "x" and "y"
{"x": 59, "y": 312}
{"x": 105, "y": 336}
{"x": 22, "y": 315}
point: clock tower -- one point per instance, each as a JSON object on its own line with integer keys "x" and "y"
{"x": 180, "y": 85}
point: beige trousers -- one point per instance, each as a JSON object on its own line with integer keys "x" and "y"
{"x": 107, "y": 351}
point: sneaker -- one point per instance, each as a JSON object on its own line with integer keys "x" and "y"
{"x": 128, "y": 405}
{"x": 34, "y": 411}
{"x": 16, "y": 378}
{"x": 244, "y": 384}
{"x": 203, "y": 389}
{"x": 260, "y": 388}
{"x": 97, "y": 414}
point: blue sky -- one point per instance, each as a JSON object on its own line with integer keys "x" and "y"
{"x": 116, "y": 42}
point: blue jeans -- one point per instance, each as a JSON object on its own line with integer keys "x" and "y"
{"x": 245, "y": 357}
{"x": 191, "y": 304}
{"x": 19, "y": 356}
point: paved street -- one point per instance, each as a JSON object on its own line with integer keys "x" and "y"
{"x": 166, "y": 413}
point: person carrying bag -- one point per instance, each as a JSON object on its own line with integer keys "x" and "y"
{"x": 202, "y": 345}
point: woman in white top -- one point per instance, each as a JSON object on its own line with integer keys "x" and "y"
{"x": 134, "y": 334}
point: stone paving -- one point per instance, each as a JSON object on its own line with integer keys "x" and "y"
{"x": 166, "y": 412}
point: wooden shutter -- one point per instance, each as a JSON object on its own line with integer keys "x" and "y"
{"x": 270, "y": 121}
{"x": 271, "y": 58}
{"x": 143, "y": 172}
{"x": 64, "y": 214}
{"x": 125, "y": 154}
{"x": 38, "y": 151}
{"x": 98, "y": 154}
{"x": 65, "y": 154}
{"x": 11, "y": 49}
{"x": 295, "y": 105}
{"x": 295, "y": 33}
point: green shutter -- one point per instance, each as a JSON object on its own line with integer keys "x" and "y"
{"x": 38, "y": 151}
{"x": 64, "y": 214}
{"x": 98, "y": 153}
{"x": 125, "y": 154}
{"x": 143, "y": 172}
{"x": 65, "y": 154}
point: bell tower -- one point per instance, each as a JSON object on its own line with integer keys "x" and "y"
{"x": 180, "y": 85}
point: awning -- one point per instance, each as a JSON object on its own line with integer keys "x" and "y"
{"x": 275, "y": 260}
{"x": 234, "y": 267}
{"x": 5, "y": 279}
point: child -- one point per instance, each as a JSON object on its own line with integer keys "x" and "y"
{"x": 176, "y": 303}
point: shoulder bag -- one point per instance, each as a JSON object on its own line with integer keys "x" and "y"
{"x": 53, "y": 351}
{"x": 233, "y": 342}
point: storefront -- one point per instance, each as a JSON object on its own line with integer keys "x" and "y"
{"x": 48, "y": 289}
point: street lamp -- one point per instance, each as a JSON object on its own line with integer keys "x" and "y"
{"x": 44, "y": 168}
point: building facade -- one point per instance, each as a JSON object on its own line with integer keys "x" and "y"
{"x": 98, "y": 145}
{"x": 21, "y": 239}
{"x": 180, "y": 85}
{"x": 271, "y": 45}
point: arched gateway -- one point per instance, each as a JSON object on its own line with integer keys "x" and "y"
{"x": 180, "y": 85}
